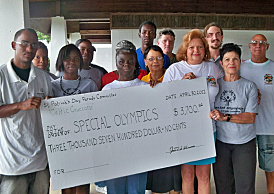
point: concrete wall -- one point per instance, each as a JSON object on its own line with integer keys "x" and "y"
{"x": 14, "y": 15}
{"x": 103, "y": 57}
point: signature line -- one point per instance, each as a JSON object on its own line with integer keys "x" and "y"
{"x": 87, "y": 168}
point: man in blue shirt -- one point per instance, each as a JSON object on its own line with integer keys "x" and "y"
{"x": 147, "y": 33}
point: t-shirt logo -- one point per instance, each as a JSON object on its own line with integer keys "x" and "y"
{"x": 211, "y": 80}
{"x": 268, "y": 78}
{"x": 41, "y": 93}
{"x": 71, "y": 91}
{"x": 228, "y": 96}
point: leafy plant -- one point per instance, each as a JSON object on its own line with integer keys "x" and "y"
{"x": 42, "y": 36}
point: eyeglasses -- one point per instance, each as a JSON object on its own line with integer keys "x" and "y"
{"x": 261, "y": 43}
{"x": 157, "y": 58}
{"x": 27, "y": 44}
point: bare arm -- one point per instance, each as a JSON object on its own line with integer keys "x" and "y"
{"x": 242, "y": 118}
{"x": 259, "y": 97}
{"x": 11, "y": 109}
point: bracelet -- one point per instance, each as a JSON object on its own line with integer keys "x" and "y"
{"x": 228, "y": 117}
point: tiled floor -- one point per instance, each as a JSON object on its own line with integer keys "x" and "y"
{"x": 260, "y": 184}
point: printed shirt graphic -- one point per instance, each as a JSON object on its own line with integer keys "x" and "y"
{"x": 262, "y": 75}
{"x": 228, "y": 96}
{"x": 235, "y": 98}
{"x": 268, "y": 78}
{"x": 212, "y": 81}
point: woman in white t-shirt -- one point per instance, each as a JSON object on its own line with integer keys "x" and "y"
{"x": 70, "y": 61}
{"x": 71, "y": 83}
{"x": 193, "y": 56}
{"x": 128, "y": 70}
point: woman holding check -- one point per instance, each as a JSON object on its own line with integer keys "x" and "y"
{"x": 128, "y": 70}
{"x": 193, "y": 56}
{"x": 161, "y": 180}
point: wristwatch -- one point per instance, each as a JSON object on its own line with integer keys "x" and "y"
{"x": 228, "y": 117}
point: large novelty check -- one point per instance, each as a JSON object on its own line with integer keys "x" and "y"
{"x": 104, "y": 135}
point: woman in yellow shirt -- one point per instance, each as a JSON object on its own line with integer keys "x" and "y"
{"x": 162, "y": 180}
{"x": 154, "y": 65}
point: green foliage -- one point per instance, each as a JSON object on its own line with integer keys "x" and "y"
{"x": 42, "y": 36}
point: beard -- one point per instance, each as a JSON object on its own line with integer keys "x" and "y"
{"x": 216, "y": 46}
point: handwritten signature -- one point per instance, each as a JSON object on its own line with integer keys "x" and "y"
{"x": 173, "y": 149}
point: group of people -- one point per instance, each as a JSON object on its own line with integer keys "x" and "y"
{"x": 240, "y": 98}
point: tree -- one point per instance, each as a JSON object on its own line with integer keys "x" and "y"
{"x": 42, "y": 36}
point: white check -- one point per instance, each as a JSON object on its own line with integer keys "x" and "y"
{"x": 104, "y": 135}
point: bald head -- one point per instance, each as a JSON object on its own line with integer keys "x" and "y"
{"x": 258, "y": 47}
{"x": 259, "y": 37}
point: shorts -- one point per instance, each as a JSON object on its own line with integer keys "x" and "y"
{"x": 32, "y": 183}
{"x": 266, "y": 152}
{"x": 204, "y": 161}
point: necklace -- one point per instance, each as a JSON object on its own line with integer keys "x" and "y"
{"x": 69, "y": 93}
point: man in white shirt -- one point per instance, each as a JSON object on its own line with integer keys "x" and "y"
{"x": 260, "y": 70}
{"x": 23, "y": 165}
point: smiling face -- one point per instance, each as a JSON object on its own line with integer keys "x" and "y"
{"x": 24, "y": 54}
{"x": 41, "y": 59}
{"x": 231, "y": 63}
{"x": 147, "y": 34}
{"x": 125, "y": 62}
{"x": 72, "y": 63}
{"x": 195, "y": 51}
{"x": 166, "y": 42}
{"x": 86, "y": 51}
{"x": 214, "y": 37}
{"x": 154, "y": 61}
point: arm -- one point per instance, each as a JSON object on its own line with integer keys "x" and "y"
{"x": 242, "y": 118}
{"x": 11, "y": 109}
{"x": 259, "y": 97}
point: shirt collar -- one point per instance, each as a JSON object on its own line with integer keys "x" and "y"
{"x": 160, "y": 79}
{"x": 15, "y": 78}
{"x": 217, "y": 59}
